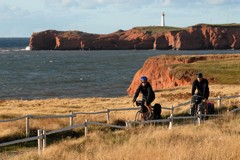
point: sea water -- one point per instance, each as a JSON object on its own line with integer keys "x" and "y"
{"x": 69, "y": 74}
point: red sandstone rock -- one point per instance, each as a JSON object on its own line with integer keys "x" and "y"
{"x": 195, "y": 37}
{"x": 161, "y": 43}
{"x": 161, "y": 75}
{"x": 43, "y": 40}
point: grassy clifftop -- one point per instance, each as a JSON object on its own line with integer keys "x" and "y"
{"x": 157, "y": 29}
{"x": 161, "y": 29}
{"x": 219, "y": 71}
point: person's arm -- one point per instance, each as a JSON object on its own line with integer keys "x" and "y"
{"x": 149, "y": 96}
{"x": 136, "y": 93}
{"x": 193, "y": 88}
{"x": 149, "y": 90}
{"x": 205, "y": 90}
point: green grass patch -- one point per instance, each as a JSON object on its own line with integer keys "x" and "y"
{"x": 157, "y": 29}
{"x": 219, "y": 25}
{"x": 222, "y": 71}
{"x": 162, "y": 29}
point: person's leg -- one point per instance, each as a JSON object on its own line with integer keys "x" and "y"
{"x": 149, "y": 106}
{"x": 144, "y": 110}
{"x": 205, "y": 103}
{"x": 206, "y": 107}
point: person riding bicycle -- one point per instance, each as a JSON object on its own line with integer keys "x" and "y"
{"x": 148, "y": 95}
{"x": 201, "y": 84}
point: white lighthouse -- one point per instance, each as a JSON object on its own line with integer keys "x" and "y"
{"x": 163, "y": 19}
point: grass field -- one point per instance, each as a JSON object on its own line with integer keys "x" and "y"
{"x": 157, "y": 140}
{"x": 216, "y": 139}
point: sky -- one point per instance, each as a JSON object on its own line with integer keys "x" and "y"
{"x": 20, "y": 18}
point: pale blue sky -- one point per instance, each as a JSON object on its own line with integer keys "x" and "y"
{"x": 19, "y": 18}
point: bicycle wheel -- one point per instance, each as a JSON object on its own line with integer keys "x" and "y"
{"x": 194, "y": 110}
{"x": 138, "y": 116}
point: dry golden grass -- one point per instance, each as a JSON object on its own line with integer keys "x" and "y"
{"x": 213, "y": 140}
{"x": 216, "y": 139}
{"x": 167, "y": 98}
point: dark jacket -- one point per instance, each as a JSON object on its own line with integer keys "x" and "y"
{"x": 202, "y": 87}
{"x": 147, "y": 91}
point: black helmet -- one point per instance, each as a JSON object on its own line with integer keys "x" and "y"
{"x": 199, "y": 75}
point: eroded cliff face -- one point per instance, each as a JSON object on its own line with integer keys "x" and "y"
{"x": 161, "y": 73}
{"x": 195, "y": 37}
{"x": 43, "y": 40}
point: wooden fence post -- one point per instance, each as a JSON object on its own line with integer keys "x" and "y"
{"x": 171, "y": 119}
{"x": 39, "y": 141}
{"x": 108, "y": 116}
{"x": 71, "y": 119}
{"x": 128, "y": 124}
{"x": 44, "y": 140}
{"x": 27, "y": 126}
{"x": 86, "y": 129}
{"x": 199, "y": 119}
{"x": 219, "y": 102}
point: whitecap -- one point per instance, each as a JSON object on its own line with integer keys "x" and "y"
{"x": 27, "y": 48}
{"x": 4, "y": 50}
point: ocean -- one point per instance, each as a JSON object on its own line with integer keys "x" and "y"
{"x": 71, "y": 74}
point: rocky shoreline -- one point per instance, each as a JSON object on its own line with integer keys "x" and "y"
{"x": 196, "y": 37}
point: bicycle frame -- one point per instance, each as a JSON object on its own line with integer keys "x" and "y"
{"x": 197, "y": 107}
{"x": 139, "y": 115}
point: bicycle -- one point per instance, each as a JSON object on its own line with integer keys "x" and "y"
{"x": 139, "y": 115}
{"x": 197, "y": 106}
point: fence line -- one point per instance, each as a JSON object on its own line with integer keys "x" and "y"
{"x": 149, "y": 121}
{"x": 114, "y": 109}
{"x": 235, "y": 110}
{"x": 227, "y": 97}
{"x": 123, "y": 109}
{"x": 185, "y": 117}
{"x": 53, "y": 116}
{"x": 107, "y": 125}
{"x": 42, "y": 134}
{"x": 99, "y": 112}
{"x": 73, "y": 114}
{"x": 182, "y": 104}
{"x": 20, "y": 141}
{"x": 65, "y": 129}
{"x": 13, "y": 119}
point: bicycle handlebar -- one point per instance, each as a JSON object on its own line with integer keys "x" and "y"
{"x": 195, "y": 95}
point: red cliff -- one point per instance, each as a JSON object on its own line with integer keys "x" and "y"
{"x": 162, "y": 74}
{"x": 195, "y": 37}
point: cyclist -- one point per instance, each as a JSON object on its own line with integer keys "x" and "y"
{"x": 201, "y": 84}
{"x": 148, "y": 96}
